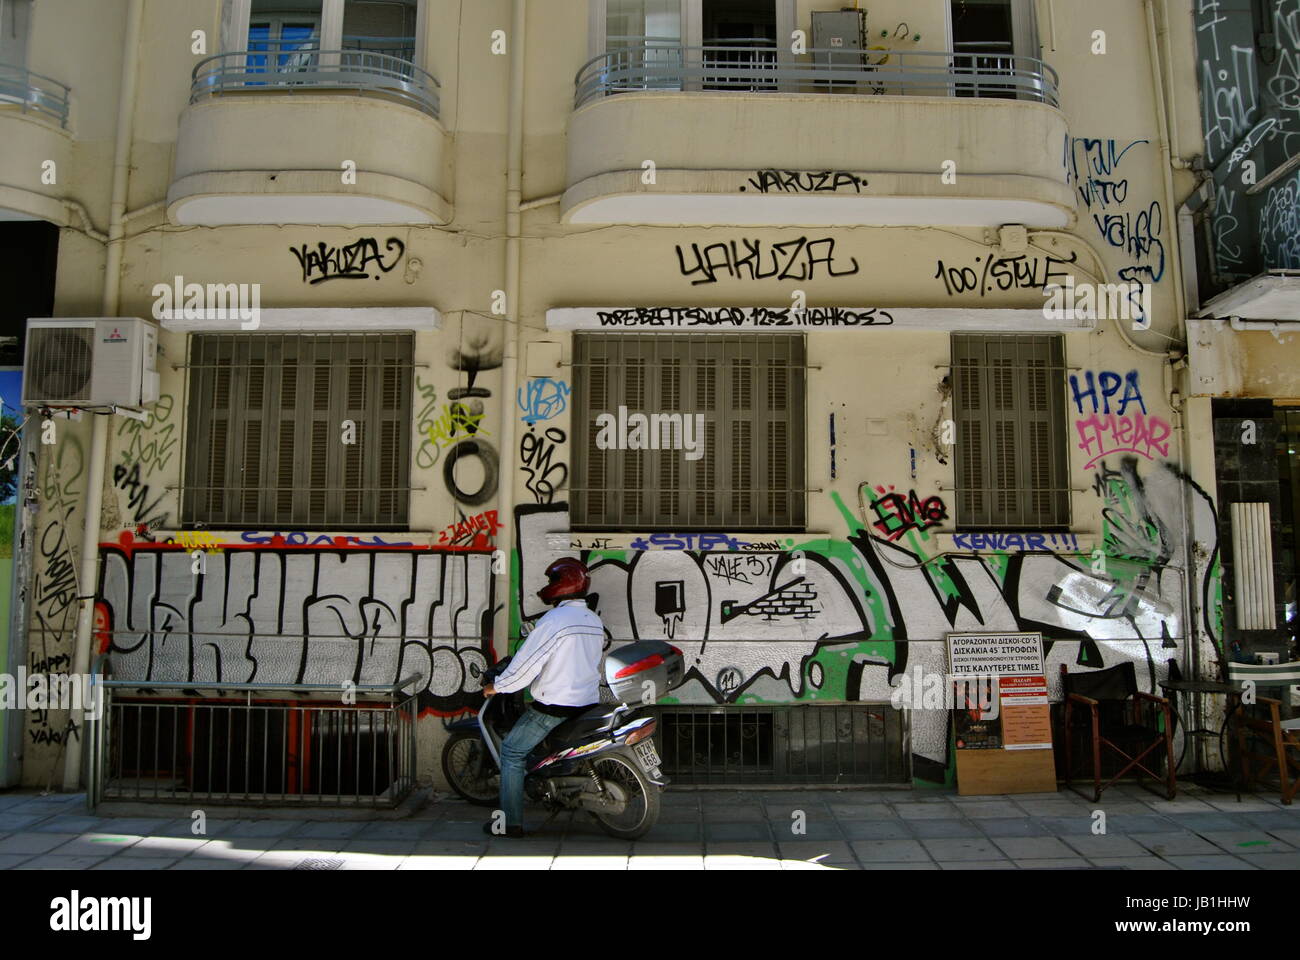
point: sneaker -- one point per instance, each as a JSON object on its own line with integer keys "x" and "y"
{"x": 513, "y": 832}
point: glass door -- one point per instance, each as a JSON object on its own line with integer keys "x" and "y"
{"x": 1288, "y": 473}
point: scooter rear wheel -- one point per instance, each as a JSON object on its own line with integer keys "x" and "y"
{"x": 469, "y": 770}
{"x": 642, "y": 798}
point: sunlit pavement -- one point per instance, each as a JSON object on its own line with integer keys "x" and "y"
{"x": 786, "y": 830}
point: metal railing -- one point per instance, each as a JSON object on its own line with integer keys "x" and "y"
{"x": 757, "y": 66}
{"x": 297, "y": 67}
{"x": 35, "y": 93}
{"x": 255, "y": 744}
{"x": 804, "y": 743}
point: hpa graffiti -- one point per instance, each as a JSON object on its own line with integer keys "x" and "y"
{"x": 272, "y": 614}
{"x": 842, "y": 618}
{"x": 1107, "y": 426}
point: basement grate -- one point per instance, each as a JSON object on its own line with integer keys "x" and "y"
{"x": 318, "y": 863}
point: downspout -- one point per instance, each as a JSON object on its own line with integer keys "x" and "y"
{"x": 88, "y": 581}
{"x": 513, "y": 334}
{"x": 1166, "y": 162}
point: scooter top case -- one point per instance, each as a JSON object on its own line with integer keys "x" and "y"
{"x": 629, "y": 668}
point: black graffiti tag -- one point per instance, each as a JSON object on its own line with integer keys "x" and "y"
{"x": 535, "y": 453}
{"x": 800, "y": 181}
{"x": 791, "y": 260}
{"x": 351, "y": 262}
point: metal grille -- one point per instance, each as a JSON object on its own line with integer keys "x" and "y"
{"x": 840, "y": 743}
{"x": 1011, "y": 465}
{"x": 726, "y": 414}
{"x": 266, "y": 431}
{"x": 260, "y": 751}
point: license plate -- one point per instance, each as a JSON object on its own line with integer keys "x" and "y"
{"x": 646, "y": 755}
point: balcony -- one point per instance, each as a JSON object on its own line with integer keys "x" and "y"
{"x": 742, "y": 133}
{"x": 34, "y": 129}
{"x": 268, "y": 132}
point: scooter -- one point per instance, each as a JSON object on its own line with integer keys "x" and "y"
{"x": 602, "y": 761}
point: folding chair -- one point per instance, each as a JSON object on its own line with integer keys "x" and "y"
{"x": 1267, "y": 739}
{"x": 1107, "y": 695}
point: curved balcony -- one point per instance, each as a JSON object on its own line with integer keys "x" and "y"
{"x": 34, "y": 112}
{"x": 267, "y": 132}
{"x": 746, "y": 134}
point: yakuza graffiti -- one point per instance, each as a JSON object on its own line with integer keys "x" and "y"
{"x": 802, "y": 181}
{"x": 792, "y": 260}
{"x": 351, "y": 262}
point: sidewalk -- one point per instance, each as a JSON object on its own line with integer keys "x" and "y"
{"x": 848, "y": 829}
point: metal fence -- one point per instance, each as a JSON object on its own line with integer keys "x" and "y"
{"x": 749, "y": 66}
{"x": 813, "y": 743}
{"x": 35, "y": 93}
{"x": 303, "y": 67}
{"x": 253, "y": 744}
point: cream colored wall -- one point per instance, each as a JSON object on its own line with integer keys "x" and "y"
{"x": 865, "y": 374}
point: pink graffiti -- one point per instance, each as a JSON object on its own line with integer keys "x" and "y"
{"x": 1104, "y": 434}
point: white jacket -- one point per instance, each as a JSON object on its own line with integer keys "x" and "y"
{"x": 560, "y": 658}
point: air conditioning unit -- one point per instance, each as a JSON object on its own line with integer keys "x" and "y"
{"x": 91, "y": 362}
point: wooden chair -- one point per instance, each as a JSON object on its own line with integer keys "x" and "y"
{"x": 1267, "y": 739}
{"x": 1117, "y": 724}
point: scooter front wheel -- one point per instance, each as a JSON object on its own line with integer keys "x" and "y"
{"x": 468, "y": 769}
{"x": 640, "y": 798}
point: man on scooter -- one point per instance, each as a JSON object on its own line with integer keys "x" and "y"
{"x": 561, "y": 661}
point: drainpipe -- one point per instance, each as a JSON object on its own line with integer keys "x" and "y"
{"x": 88, "y": 581}
{"x": 513, "y": 334}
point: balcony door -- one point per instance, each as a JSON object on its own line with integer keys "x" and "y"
{"x": 650, "y": 43}
{"x": 15, "y": 15}
{"x": 989, "y": 38}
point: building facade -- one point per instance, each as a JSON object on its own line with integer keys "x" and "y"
{"x": 783, "y": 317}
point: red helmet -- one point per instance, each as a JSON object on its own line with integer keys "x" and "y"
{"x": 569, "y": 580}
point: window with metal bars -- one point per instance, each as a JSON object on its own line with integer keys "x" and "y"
{"x": 749, "y": 392}
{"x": 265, "y": 444}
{"x": 1011, "y": 464}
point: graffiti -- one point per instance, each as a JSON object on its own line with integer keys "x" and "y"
{"x": 897, "y": 514}
{"x": 55, "y": 587}
{"x": 150, "y": 442}
{"x": 542, "y": 398}
{"x": 536, "y": 450}
{"x": 1023, "y": 272}
{"x": 142, "y": 511}
{"x": 1106, "y": 432}
{"x": 300, "y": 538}
{"x": 1279, "y": 225}
{"x": 687, "y": 541}
{"x": 1092, "y": 166}
{"x": 427, "y": 453}
{"x": 791, "y": 260}
{"x": 1015, "y": 541}
{"x": 474, "y": 532}
{"x": 472, "y": 358}
{"x": 267, "y": 615}
{"x": 196, "y": 540}
{"x": 350, "y": 262}
{"x": 800, "y": 181}
{"x": 743, "y": 317}
{"x": 456, "y": 420}
{"x": 858, "y": 611}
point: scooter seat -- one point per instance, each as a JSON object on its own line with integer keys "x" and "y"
{"x": 575, "y": 730}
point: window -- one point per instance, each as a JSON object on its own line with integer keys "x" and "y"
{"x": 688, "y": 432}
{"x": 266, "y": 431}
{"x": 1008, "y": 394}
{"x": 15, "y": 16}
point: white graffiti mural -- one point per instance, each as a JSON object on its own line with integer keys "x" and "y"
{"x": 751, "y": 624}
{"x": 293, "y": 616}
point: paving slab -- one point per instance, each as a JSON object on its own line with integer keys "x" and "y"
{"x": 1033, "y": 848}
{"x": 51, "y": 862}
{"x": 1133, "y": 863}
{"x": 976, "y": 865}
{"x": 1245, "y": 843}
{"x": 1210, "y": 862}
{"x": 1012, "y": 827}
{"x": 939, "y": 829}
{"x": 1106, "y": 845}
{"x": 1182, "y": 844}
{"x": 34, "y": 843}
{"x": 877, "y": 829}
{"x": 438, "y": 863}
{"x": 889, "y": 851}
{"x": 945, "y": 850}
{"x": 1055, "y": 863}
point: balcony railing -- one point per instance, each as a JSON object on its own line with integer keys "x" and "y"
{"x": 35, "y": 94}
{"x": 299, "y": 67}
{"x": 758, "y": 66}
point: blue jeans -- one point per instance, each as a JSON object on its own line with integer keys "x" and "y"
{"x": 531, "y": 730}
